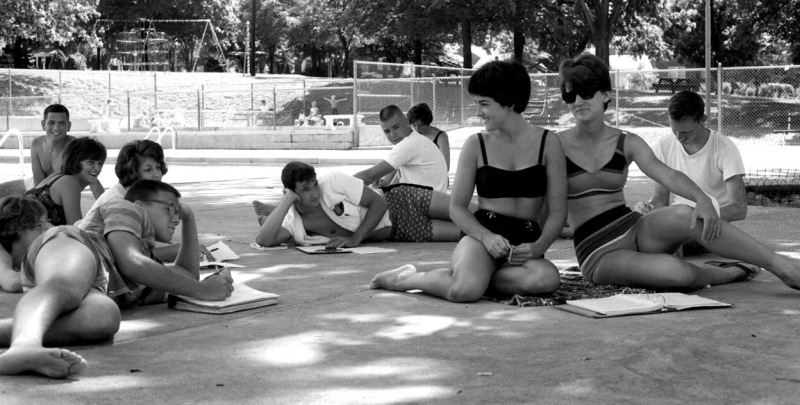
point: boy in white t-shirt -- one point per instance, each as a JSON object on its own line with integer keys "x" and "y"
{"x": 709, "y": 158}
{"x": 414, "y": 173}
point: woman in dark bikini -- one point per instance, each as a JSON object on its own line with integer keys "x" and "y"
{"x": 60, "y": 193}
{"x": 516, "y": 167}
{"x": 617, "y": 246}
{"x": 420, "y": 117}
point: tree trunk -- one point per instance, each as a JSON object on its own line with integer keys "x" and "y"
{"x": 466, "y": 42}
{"x": 346, "y": 53}
{"x": 601, "y": 45}
{"x": 519, "y": 34}
{"x": 271, "y": 59}
{"x": 519, "y": 44}
{"x": 417, "y": 52}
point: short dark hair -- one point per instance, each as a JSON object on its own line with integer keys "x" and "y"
{"x": 506, "y": 82}
{"x": 18, "y": 213}
{"x": 296, "y": 172}
{"x": 131, "y": 156}
{"x": 585, "y": 71}
{"x": 146, "y": 189}
{"x": 686, "y": 104}
{"x": 80, "y": 149}
{"x": 388, "y": 112}
{"x": 420, "y": 112}
{"x": 55, "y": 108}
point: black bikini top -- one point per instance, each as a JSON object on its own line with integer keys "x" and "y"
{"x": 493, "y": 182}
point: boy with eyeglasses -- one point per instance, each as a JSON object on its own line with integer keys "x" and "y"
{"x": 151, "y": 212}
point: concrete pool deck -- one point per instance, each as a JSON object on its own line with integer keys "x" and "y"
{"x": 332, "y": 340}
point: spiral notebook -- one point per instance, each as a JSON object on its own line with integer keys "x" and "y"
{"x": 242, "y": 298}
{"x": 638, "y": 304}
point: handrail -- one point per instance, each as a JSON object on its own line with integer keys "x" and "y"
{"x": 14, "y": 131}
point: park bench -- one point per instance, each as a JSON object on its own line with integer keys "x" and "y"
{"x": 331, "y": 120}
{"x": 667, "y": 83}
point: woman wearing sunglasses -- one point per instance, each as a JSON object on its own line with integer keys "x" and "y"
{"x": 515, "y": 167}
{"x": 615, "y": 245}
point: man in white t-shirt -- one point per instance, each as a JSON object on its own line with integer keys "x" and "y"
{"x": 414, "y": 159}
{"x": 415, "y": 172}
{"x": 709, "y": 158}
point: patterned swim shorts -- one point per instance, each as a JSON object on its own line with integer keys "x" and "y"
{"x": 408, "y": 211}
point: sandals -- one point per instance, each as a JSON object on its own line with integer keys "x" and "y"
{"x": 750, "y": 270}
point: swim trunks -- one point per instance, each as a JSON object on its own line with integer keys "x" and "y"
{"x": 408, "y": 211}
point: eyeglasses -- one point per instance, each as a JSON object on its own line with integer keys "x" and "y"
{"x": 585, "y": 93}
{"x": 174, "y": 210}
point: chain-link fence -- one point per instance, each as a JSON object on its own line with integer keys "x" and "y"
{"x": 748, "y": 102}
{"x": 137, "y": 101}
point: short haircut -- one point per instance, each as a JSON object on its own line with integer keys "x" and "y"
{"x": 506, "y": 82}
{"x": 296, "y": 172}
{"x": 131, "y": 156}
{"x": 686, "y": 104}
{"x": 55, "y": 108}
{"x": 145, "y": 189}
{"x": 80, "y": 149}
{"x": 585, "y": 71}
{"x": 420, "y": 112}
{"x": 18, "y": 213}
{"x": 388, "y": 112}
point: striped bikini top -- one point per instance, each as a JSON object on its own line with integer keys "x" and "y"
{"x": 610, "y": 179}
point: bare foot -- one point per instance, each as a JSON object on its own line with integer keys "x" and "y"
{"x": 262, "y": 211}
{"x": 51, "y": 362}
{"x": 391, "y": 279}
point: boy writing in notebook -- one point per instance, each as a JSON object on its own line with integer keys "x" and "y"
{"x": 151, "y": 212}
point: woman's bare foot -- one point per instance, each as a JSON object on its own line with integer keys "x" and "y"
{"x": 50, "y": 362}
{"x": 393, "y": 279}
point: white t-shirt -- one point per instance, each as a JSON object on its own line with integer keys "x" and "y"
{"x": 335, "y": 188}
{"x": 717, "y": 161}
{"x": 419, "y": 161}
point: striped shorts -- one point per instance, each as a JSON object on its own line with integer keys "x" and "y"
{"x": 612, "y": 230}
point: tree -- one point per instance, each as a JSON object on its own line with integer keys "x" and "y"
{"x": 45, "y": 22}
{"x": 222, "y": 14}
{"x": 604, "y": 18}
{"x": 736, "y": 39}
{"x": 780, "y": 19}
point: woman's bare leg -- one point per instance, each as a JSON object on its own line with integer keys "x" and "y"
{"x": 466, "y": 282}
{"x": 663, "y": 230}
{"x": 65, "y": 270}
{"x": 532, "y": 278}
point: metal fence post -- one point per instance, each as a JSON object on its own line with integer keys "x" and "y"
{"x": 354, "y": 120}
{"x": 303, "y": 96}
{"x": 199, "y": 124}
{"x": 274, "y": 109}
{"x": 155, "y": 91}
{"x": 719, "y": 97}
{"x": 129, "y": 109}
{"x": 461, "y": 84}
{"x": 202, "y": 101}
{"x": 109, "y": 81}
{"x": 8, "y": 112}
{"x": 433, "y": 85}
{"x": 59, "y": 87}
{"x": 616, "y": 99}
{"x": 251, "y": 98}
{"x": 413, "y": 80}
